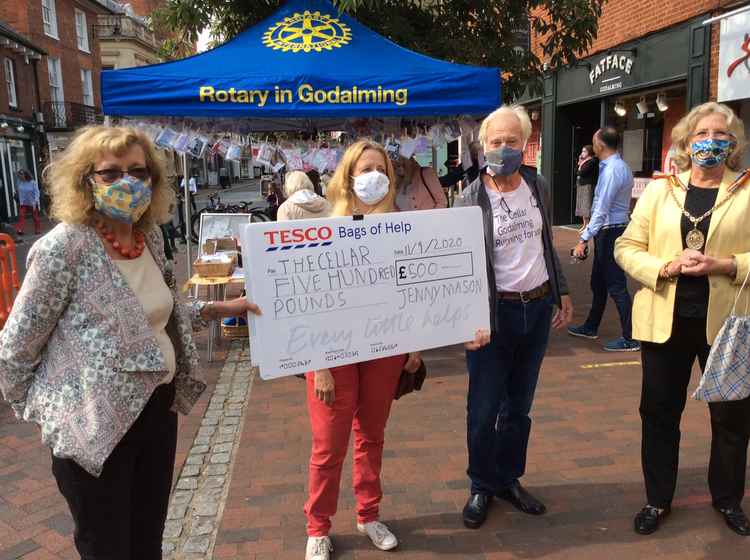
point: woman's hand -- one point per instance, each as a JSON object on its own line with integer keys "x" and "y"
{"x": 564, "y": 315}
{"x": 412, "y": 363}
{"x": 238, "y": 307}
{"x": 705, "y": 265}
{"x": 481, "y": 338}
{"x": 325, "y": 386}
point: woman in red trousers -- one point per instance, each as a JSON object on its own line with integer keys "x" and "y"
{"x": 355, "y": 397}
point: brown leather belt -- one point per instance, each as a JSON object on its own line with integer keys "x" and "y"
{"x": 525, "y": 297}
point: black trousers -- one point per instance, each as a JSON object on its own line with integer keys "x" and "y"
{"x": 121, "y": 514}
{"x": 666, "y": 375}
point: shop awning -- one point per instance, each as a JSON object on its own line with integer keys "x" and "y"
{"x": 305, "y": 61}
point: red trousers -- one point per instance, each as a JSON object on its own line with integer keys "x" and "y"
{"x": 22, "y": 219}
{"x": 364, "y": 393}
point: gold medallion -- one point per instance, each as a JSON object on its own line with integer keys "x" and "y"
{"x": 695, "y": 239}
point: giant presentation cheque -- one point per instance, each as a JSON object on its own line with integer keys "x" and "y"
{"x": 336, "y": 291}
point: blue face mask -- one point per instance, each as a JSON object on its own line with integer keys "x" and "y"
{"x": 504, "y": 161}
{"x": 711, "y": 152}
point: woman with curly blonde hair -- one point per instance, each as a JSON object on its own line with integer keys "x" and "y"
{"x": 97, "y": 349}
{"x": 688, "y": 245}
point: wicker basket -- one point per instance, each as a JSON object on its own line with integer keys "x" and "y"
{"x": 211, "y": 269}
{"x": 234, "y": 331}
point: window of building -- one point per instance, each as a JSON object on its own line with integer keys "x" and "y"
{"x": 88, "y": 89}
{"x": 57, "y": 98}
{"x": 55, "y": 79}
{"x": 10, "y": 83}
{"x": 49, "y": 18}
{"x": 82, "y": 31}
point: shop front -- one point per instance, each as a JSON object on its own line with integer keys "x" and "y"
{"x": 17, "y": 151}
{"x": 734, "y": 67}
{"x": 642, "y": 88}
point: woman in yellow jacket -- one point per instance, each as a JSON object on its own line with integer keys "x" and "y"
{"x": 688, "y": 245}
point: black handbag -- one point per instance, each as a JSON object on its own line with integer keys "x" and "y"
{"x": 411, "y": 381}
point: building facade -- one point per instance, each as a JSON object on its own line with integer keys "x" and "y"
{"x": 651, "y": 62}
{"x": 69, "y": 77}
{"x": 20, "y": 104}
{"x": 125, "y": 42}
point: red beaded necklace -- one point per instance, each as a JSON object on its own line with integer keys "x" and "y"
{"x": 133, "y": 253}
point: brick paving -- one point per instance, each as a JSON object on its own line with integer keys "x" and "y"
{"x": 583, "y": 462}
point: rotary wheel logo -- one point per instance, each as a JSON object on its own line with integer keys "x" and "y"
{"x": 308, "y": 31}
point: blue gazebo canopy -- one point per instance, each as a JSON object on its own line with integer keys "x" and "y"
{"x": 307, "y": 60}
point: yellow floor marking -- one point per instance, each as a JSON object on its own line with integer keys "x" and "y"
{"x": 611, "y": 364}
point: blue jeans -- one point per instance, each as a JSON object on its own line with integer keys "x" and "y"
{"x": 502, "y": 381}
{"x": 608, "y": 278}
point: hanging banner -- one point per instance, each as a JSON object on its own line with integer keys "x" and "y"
{"x": 337, "y": 291}
{"x": 734, "y": 58}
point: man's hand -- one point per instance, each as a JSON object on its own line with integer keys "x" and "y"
{"x": 481, "y": 338}
{"x": 325, "y": 386}
{"x": 579, "y": 251}
{"x": 412, "y": 362}
{"x": 564, "y": 315}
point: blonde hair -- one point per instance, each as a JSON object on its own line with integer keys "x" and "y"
{"x": 339, "y": 192}
{"x": 296, "y": 181}
{"x": 517, "y": 111}
{"x": 683, "y": 131}
{"x": 68, "y": 176}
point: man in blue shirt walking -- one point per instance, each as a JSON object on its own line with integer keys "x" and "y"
{"x": 610, "y": 214}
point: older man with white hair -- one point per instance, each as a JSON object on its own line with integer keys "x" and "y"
{"x": 528, "y": 293}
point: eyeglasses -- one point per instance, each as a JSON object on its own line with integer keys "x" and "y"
{"x": 112, "y": 175}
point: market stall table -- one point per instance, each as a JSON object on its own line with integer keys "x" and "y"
{"x": 216, "y": 286}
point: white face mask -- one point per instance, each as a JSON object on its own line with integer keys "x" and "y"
{"x": 371, "y": 187}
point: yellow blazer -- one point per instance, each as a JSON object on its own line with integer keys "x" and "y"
{"x": 653, "y": 238}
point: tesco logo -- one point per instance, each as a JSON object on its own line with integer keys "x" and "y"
{"x": 299, "y": 238}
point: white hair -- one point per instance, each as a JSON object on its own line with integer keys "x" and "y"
{"x": 517, "y": 111}
{"x": 296, "y": 181}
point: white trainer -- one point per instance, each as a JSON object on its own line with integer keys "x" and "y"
{"x": 318, "y": 548}
{"x": 379, "y": 534}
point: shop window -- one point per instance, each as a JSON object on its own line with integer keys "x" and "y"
{"x": 82, "y": 31}
{"x": 49, "y": 18}
{"x": 10, "y": 82}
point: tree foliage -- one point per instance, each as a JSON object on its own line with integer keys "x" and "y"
{"x": 482, "y": 32}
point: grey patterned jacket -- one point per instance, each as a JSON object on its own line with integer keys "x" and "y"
{"x": 77, "y": 355}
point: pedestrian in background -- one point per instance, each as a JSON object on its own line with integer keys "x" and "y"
{"x": 28, "y": 201}
{"x": 526, "y": 284}
{"x": 302, "y": 202}
{"x": 609, "y": 218}
{"x": 192, "y": 189}
{"x": 587, "y": 173}
{"x": 418, "y": 188}
{"x": 688, "y": 245}
{"x": 98, "y": 350}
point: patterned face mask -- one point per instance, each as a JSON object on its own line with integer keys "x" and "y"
{"x": 125, "y": 200}
{"x": 711, "y": 152}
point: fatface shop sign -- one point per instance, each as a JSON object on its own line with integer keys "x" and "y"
{"x": 610, "y": 72}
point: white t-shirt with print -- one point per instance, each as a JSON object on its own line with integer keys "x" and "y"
{"x": 519, "y": 250}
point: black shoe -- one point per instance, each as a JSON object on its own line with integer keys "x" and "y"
{"x": 522, "y": 500}
{"x": 736, "y": 520}
{"x": 648, "y": 519}
{"x": 475, "y": 510}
